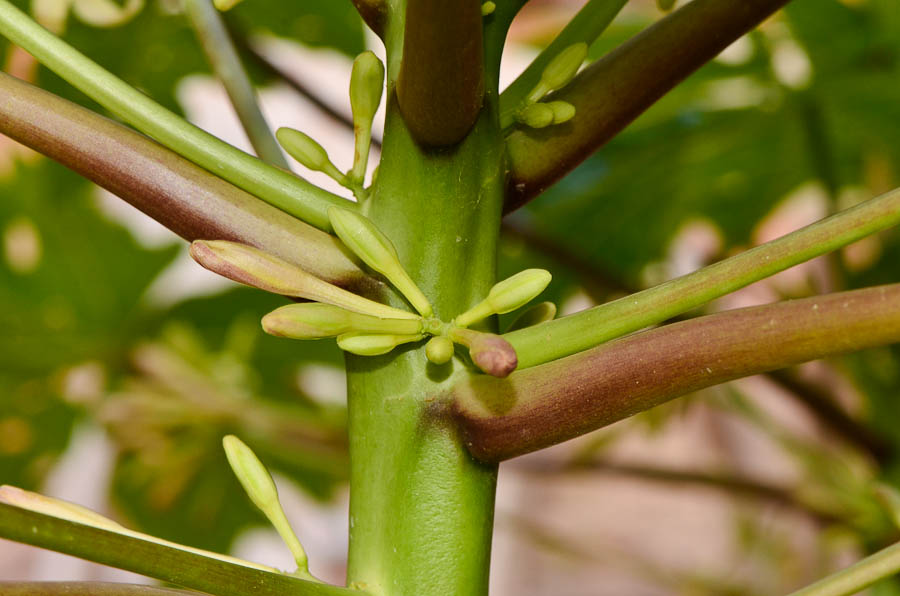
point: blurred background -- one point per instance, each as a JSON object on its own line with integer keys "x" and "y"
{"x": 122, "y": 364}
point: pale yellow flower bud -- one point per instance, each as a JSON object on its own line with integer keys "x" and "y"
{"x": 364, "y": 344}
{"x": 439, "y": 350}
{"x": 315, "y": 321}
{"x": 507, "y": 295}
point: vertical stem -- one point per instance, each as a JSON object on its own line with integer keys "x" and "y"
{"x": 421, "y": 509}
{"x": 224, "y": 59}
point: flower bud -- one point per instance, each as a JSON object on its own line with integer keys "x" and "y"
{"x": 439, "y": 350}
{"x": 507, "y": 295}
{"x": 308, "y": 152}
{"x": 563, "y": 111}
{"x": 376, "y": 250}
{"x": 536, "y": 115}
{"x": 564, "y": 66}
{"x": 363, "y": 344}
{"x": 314, "y": 321}
{"x": 537, "y": 314}
{"x": 491, "y": 353}
{"x": 366, "y": 85}
{"x": 253, "y": 267}
{"x": 486, "y": 9}
{"x": 260, "y": 487}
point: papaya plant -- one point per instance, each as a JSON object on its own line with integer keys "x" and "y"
{"x": 401, "y": 272}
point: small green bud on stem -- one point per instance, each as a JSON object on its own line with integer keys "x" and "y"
{"x": 439, "y": 350}
{"x": 253, "y": 267}
{"x": 488, "y": 8}
{"x": 364, "y": 344}
{"x": 376, "y": 250}
{"x": 536, "y": 115}
{"x": 559, "y": 72}
{"x": 563, "y": 111}
{"x": 260, "y": 487}
{"x": 537, "y": 314}
{"x": 315, "y": 321}
{"x": 366, "y": 85}
{"x": 308, "y": 152}
{"x": 491, "y": 353}
{"x": 507, "y": 295}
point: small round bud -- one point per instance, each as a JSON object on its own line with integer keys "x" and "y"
{"x": 563, "y": 111}
{"x": 439, "y": 350}
{"x": 491, "y": 353}
{"x": 366, "y": 84}
{"x": 363, "y": 344}
{"x": 488, "y": 8}
{"x": 564, "y": 66}
{"x": 303, "y": 148}
{"x": 536, "y": 115}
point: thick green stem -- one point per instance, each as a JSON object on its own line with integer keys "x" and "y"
{"x": 185, "y": 198}
{"x": 421, "y": 509}
{"x": 223, "y": 57}
{"x": 858, "y": 576}
{"x": 282, "y": 189}
{"x": 588, "y": 328}
{"x": 557, "y": 401}
{"x": 85, "y": 589}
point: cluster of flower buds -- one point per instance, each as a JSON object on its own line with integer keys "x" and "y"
{"x": 365, "y": 327}
{"x": 559, "y": 72}
{"x": 366, "y": 85}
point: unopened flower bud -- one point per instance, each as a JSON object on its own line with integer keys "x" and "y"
{"x": 308, "y": 152}
{"x": 563, "y": 111}
{"x": 488, "y": 8}
{"x": 363, "y": 344}
{"x": 314, "y": 321}
{"x": 507, "y": 295}
{"x": 537, "y": 314}
{"x": 260, "y": 487}
{"x": 564, "y": 66}
{"x": 376, "y": 250}
{"x": 536, "y": 115}
{"x": 366, "y": 84}
{"x": 253, "y": 267}
{"x": 439, "y": 350}
{"x": 491, "y": 353}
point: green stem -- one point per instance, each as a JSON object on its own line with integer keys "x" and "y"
{"x": 85, "y": 589}
{"x": 858, "y": 576}
{"x": 162, "y": 561}
{"x": 547, "y": 404}
{"x": 277, "y": 187}
{"x": 223, "y": 57}
{"x": 572, "y": 334}
{"x": 590, "y": 22}
{"x": 185, "y": 198}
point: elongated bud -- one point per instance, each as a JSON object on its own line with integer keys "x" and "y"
{"x": 507, "y": 295}
{"x": 439, "y": 350}
{"x": 537, "y": 314}
{"x": 12, "y": 495}
{"x": 364, "y": 344}
{"x": 563, "y": 111}
{"x": 366, "y": 85}
{"x": 260, "y": 487}
{"x": 253, "y": 267}
{"x": 308, "y": 152}
{"x": 491, "y": 353}
{"x": 564, "y": 66}
{"x": 536, "y": 115}
{"x": 315, "y": 321}
{"x": 376, "y": 250}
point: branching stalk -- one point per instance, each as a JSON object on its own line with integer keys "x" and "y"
{"x": 588, "y": 328}
{"x": 557, "y": 401}
{"x": 590, "y": 22}
{"x": 185, "y": 198}
{"x": 282, "y": 189}
{"x": 223, "y": 57}
{"x": 616, "y": 89}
